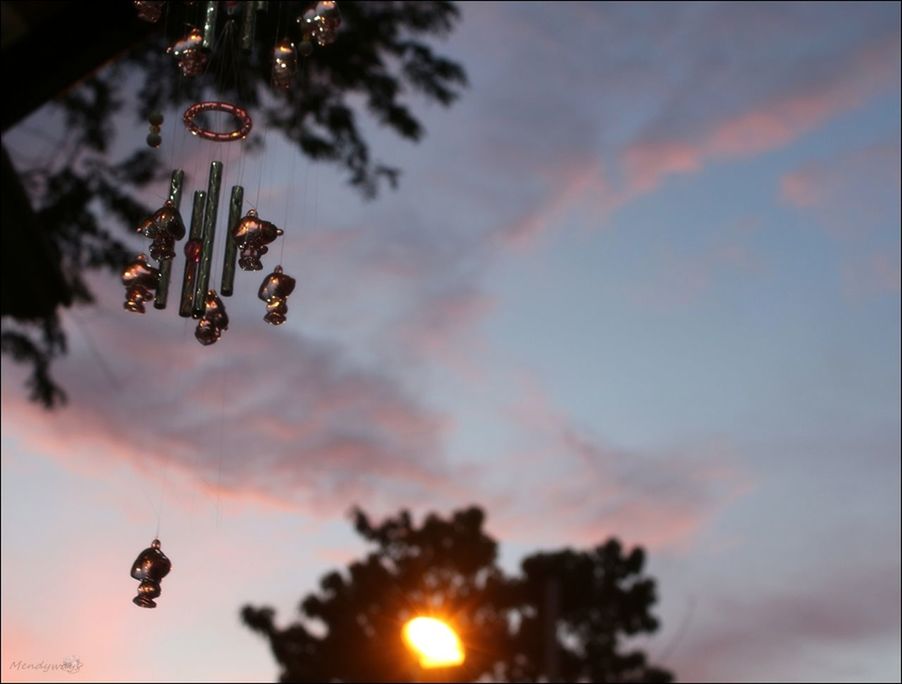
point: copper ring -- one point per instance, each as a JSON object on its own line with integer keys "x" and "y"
{"x": 240, "y": 114}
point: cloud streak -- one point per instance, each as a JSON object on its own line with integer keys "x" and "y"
{"x": 572, "y": 485}
{"x": 267, "y": 412}
{"x": 799, "y": 104}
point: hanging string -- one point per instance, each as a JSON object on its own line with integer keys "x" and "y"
{"x": 262, "y": 167}
{"x": 229, "y": 74}
{"x": 178, "y": 89}
{"x": 262, "y": 164}
{"x": 119, "y": 408}
{"x": 222, "y": 394}
{"x": 315, "y": 199}
{"x": 289, "y": 195}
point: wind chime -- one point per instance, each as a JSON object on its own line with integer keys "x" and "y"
{"x": 247, "y": 236}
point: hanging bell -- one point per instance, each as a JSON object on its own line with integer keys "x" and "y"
{"x": 274, "y": 291}
{"x": 141, "y": 281}
{"x": 319, "y": 25}
{"x": 308, "y": 27}
{"x": 284, "y": 64}
{"x": 252, "y": 234}
{"x": 189, "y": 52}
{"x": 164, "y": 228}
{"x": 213, "y": 322}
{"x": 150, "y": 567}
{"x": 328, "y": 19}
{"x": 149, "y": 10}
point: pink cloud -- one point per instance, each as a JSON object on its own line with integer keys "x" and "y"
{"x": 647, "y": 162}
{"x": 679, "y": 278}
{"x": 282, "y": 416}
{"x": 583, "y": 491}
{"x": 763, "y": 125}
{"x": 834, "y": 609}
{"x": 56, "y": 625}
{"x": 850, "y": 191}
{"x": 702, "y": 89}
{"x": 872, "y": 273}
{"x": 854, "y": 196}
{"x": 441, "y": 328}
{"x": 888, "y": 271}
{"x": 577, "y": 184}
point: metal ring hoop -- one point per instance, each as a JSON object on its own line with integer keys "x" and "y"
{"x": 240, "y": 114}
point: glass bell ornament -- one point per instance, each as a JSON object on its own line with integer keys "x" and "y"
{"x": 150, "y": 567}
{"x": 189, "y": 53}
{"x": 328, "y": 19}
{"x": 141, "y": 281}
{"x": 308, "y": 26}
{"x": 164, "y": 228}
{"x": 149, "y": 10}
{"x": 319, "y": 25}
{"x": 252, "y": 234}
{"x": 284, "y": 64}
{"x": 213, "y": 322}
{"x": 274, "y": 291}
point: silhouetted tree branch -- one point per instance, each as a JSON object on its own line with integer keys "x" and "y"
{"x": 350, "y": 630}
{"x": 379, "y": 62}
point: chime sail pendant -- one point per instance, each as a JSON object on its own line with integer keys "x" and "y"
{"x": 150, "y": 567}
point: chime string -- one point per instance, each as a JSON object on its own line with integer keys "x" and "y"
{"x": 289, "y": 195}
{"x": 271, "y": 169}
{"x": 178, "y": 83}
{"x": 262, "y": 163}
{"x": 95, "y": 354}
{"x": 315, "y": 224}
{"x": 230, "y": 75}
{"x": 241, "y": 85}
{"x": 222, "y": 410}
{"x": 118, "y": 405}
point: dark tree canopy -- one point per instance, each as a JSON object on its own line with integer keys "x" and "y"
{"x": 350, "y": 630}
{"x": 381, "y": 59}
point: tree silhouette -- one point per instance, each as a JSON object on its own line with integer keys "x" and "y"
{"x": 350, "y": 630}
{"x": 381, "y": 59}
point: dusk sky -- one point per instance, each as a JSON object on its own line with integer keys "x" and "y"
{"x": 642, "y": 280}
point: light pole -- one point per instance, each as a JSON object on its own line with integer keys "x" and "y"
{"x": 435, "y": 645}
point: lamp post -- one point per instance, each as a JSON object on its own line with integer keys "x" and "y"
{"x": 435, "y": 645}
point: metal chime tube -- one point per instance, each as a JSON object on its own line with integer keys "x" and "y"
{"x": 175, "y": 194}
{"x": 211, "y": 14}
{"x": 248, "y": 25}
{"x": 231, "y": 247}
{"x": 186, "y": 305}
{"x": 206, "y": 255}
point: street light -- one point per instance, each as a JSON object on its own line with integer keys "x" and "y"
{"x": 434, "y": 642}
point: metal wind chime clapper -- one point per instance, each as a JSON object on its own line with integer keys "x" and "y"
{"x": 246, "y": 236}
